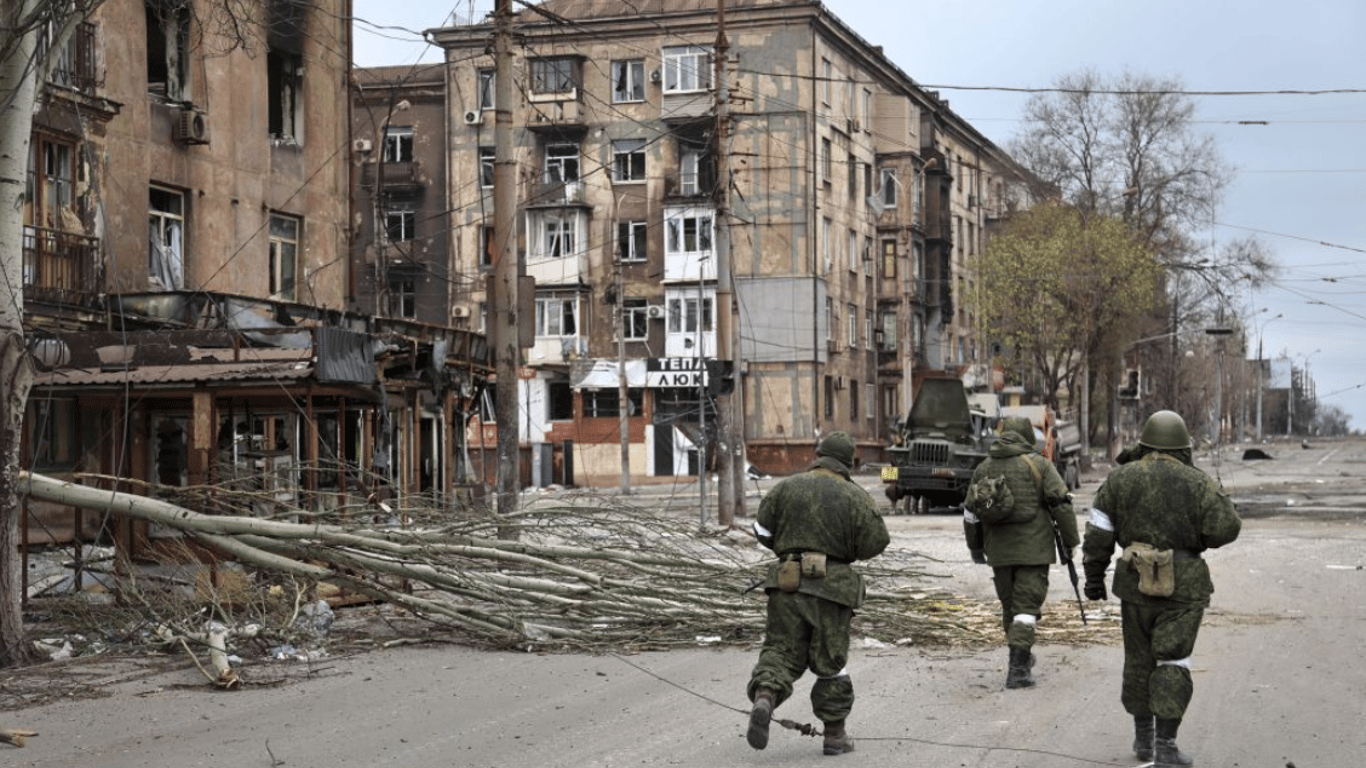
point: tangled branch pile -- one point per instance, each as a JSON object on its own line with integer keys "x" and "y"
{"x": 574, "y": 577}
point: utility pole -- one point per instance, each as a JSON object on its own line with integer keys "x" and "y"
{"x": 504, "y": 299}
{"x": 730, "y": 449}
{"x": 623, "y": 391}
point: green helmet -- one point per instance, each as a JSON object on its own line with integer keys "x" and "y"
{"x": 1165, "y": 431}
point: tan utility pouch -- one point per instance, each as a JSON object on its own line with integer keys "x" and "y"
{"x": 789, "y": 575}
{"x": 1156, "y": 571}
{"x": 813, "y": 565}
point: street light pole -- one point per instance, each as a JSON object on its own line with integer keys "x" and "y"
{"x": 1261, "y": 332}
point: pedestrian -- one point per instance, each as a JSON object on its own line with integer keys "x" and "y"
{"x": 818, "y": 523}
{"x": 1018, "y": 537}
{"x": 1163, "y": 513}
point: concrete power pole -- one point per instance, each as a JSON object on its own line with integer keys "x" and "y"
{"x": 504, "y": 298}
{"x": 730, "y": 451}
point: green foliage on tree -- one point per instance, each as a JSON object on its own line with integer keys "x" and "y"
{"x": 1059, "y": 284}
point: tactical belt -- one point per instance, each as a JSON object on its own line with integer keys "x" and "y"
{"x": 797, "y": 556}
{"x": 1185, "y": 554}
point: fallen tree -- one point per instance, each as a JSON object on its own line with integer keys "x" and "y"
{"x": 577, "y": 577}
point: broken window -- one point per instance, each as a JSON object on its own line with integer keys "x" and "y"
{"x": 561, "y": 163}
{"x": 628, "y": 160}
{"x": 486, "y": 165}
{"x": 284, "y": 255}
{"x": 51, "y": 180}
{"x": 486, "y": 89}
{"x": 636, "y": 319}
{"x": 52, "y": 433}
{"x": 553, "y": 75}
{"x": 402, "y": 295}
{"x": 168, "y": 49}
{"x": 631, "y": 240}
{"x": 688, "y": 233}
{"x": 284, "y": 88}
{"x": 556, "y": 316}
{"x": 398, "y": 144}
{"x": 166, "y": 239}
{"x": 687, "y": 68}
{"x": 399, "y": 224}
{"x": 559, "y": 236}
{"x": 628, "y": 80}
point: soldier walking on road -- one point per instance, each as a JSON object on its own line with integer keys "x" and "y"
{"x": 1163, "y": 513}
{"x": 1012, "y": 529}
{"x": 818, "y": 522}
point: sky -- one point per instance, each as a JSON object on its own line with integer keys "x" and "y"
{"x": 1290, "y": 123}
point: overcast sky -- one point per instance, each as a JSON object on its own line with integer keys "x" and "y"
{"x": 1301, "y": 183}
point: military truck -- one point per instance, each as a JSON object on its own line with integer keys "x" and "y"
{"x": 933, "y": 452}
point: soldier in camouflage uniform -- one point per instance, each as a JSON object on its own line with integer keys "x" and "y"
{"x": 1020, "y": 553}
{"x": 818, "y": 512}
{"x": 1160, "y": 499}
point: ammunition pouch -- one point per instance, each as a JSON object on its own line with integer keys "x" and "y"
{"x": 795, "y": 566}
{"x": 1156, "y": 568}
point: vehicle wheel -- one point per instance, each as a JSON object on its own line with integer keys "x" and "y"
{"x": 922, "y": 505}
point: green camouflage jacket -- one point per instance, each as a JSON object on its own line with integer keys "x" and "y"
{"x": 1159, "y": 500}
{"x": 1031, "y": 542}
{"x": 822, "y": 510}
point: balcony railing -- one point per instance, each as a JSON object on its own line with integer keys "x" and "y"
{"x": 60, "y": 265}
{"x": 75, "y": 65}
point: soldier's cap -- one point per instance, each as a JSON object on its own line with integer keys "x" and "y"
{"x": 837, "y": 445}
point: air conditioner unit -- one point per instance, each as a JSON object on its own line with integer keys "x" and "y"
{"x": 192, "y": 127}
{"x": 362, "y": 145}
{"x": 855, "y": 126}
{"x": 460, "y": 310}
{"x": 654, "y": 312}
{"x": 850, "y": 125}
{"x": 474, "y": 117}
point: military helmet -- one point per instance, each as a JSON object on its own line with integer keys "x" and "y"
{"x": 837, "y": 445}
{"x": 1165, "y": 431}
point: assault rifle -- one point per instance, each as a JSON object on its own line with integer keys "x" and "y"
{"x": 1065, "y": 555}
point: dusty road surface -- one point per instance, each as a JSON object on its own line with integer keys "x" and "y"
{"x": 1279, "y": 676}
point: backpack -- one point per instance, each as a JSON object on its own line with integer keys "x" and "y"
{"x": 990, "y": 499}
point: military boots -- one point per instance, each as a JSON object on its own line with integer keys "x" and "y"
{"x": 837, "y": 740}
{"x": 1019, "y": 675}
{"x": 759, "y": 717}
{"x": 1144, "y": 733}
{"x": 1165, "y": 752}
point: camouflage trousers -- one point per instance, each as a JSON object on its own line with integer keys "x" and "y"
{"x": 1021, "y": 590}
{"x": 805, "y": 632}
{"x": 1158, "y": 641}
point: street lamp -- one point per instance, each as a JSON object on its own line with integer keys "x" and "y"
{"x": 1290, "y": 418}
{"x": 1261, "y": 331}
{"x": 1218, "y": 425}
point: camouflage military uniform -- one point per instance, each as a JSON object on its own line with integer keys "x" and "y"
{"x": 1161, "y": 499}
{"x": 820, "y": 510}
{"x": 1020, "y": 553}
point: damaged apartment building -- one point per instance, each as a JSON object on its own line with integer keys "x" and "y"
{"x": 854, "y": 200}
{"x": 190, "y": 287}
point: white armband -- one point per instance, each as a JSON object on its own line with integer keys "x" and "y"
{"x": 1101, "y": 520}
{"x": 969, "y": 517}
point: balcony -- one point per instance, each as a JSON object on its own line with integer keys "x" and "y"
{"x": 558, "y": 194}
{"x": 60, "y": 266}
{"x": 393, "y": 176}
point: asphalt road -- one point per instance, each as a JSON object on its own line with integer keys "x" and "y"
{"x": 1279, "y": 679}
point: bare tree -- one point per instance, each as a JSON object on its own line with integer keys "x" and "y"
{"x": 1127, "y": 146}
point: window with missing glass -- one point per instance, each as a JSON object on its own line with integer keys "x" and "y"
{"x": 687, "y": 68}
{"x": 628, "y": 80}
{"x": 552, "y": 75}
{"x": 398, "y": 144}
{"x": 628, "y": 160}
{"x": 631, "y": 241}
{"x": 603, "y": 403}
{"x": 284, "y": 254}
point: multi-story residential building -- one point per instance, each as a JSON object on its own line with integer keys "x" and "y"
{"x": 852, "y": 199}
{"x": 190, "y": 285}
{"x": 399, "y": 158}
